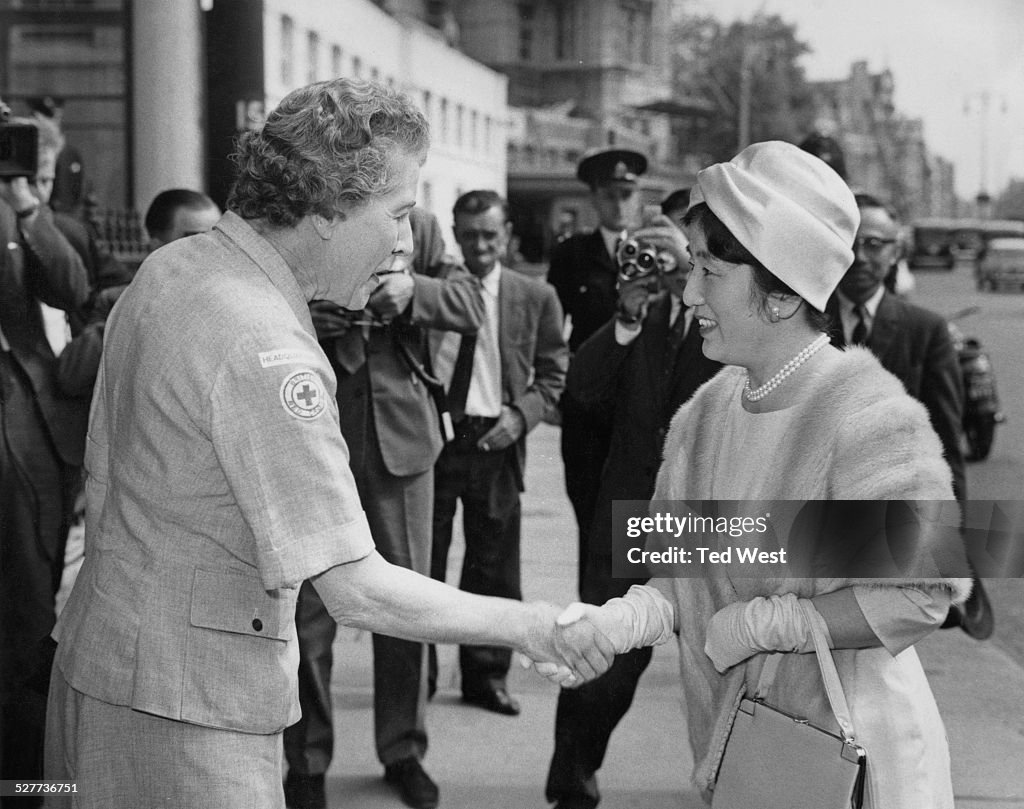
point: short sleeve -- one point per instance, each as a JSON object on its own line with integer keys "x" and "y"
{"x": 275, "y": 429}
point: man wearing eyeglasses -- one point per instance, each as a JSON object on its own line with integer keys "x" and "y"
{"x": 913, "y": 344}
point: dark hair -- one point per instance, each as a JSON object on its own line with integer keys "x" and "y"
{"x": 871, "y": 201}
{"x": 326, "y": 146}
{"x": 677, "y": 200}
{"x": 474, "y": 202}
{"x": 160, "y": 214}
{"x": 827, "y": 150}
{"x": 724, "y": 246}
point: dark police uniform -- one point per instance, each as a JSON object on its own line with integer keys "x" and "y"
{"x": 583, "y": 274}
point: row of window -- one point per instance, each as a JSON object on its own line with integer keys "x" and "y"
{"x": 452, "y": 123}
{"x": 314, "y": 49}
{"x": 456, "y": 125}
{"x": 561, "y": 26}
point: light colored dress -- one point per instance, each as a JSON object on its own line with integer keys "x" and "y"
{"x": 855, "y": 435}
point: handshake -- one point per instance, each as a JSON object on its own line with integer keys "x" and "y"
{"x": 585, "y": 638}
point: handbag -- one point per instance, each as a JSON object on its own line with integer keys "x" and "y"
{"x": 774, "y": 760}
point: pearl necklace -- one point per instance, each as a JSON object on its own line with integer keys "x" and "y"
{"x": 759, "y": 393}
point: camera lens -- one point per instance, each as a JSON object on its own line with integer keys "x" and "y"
{"x": 646, "y": 261}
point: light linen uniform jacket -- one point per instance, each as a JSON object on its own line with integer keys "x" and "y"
{"x": 218, "y": 481}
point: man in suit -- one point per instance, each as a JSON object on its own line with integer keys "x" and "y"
{"x": 640, "y": 366}
{"x": 390, "y": 424}
{"x": 42, "y": 440}
{"x": 499, "y": 386}
{"x": 582, "y": 271}
{"x": 913, "y": 344}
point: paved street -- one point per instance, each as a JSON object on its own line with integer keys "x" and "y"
{"x": 483, "y": 761}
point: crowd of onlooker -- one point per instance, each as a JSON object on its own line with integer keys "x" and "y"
{"x": 440, "y": 379}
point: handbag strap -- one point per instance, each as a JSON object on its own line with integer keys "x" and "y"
{"x": 826, "y": 664}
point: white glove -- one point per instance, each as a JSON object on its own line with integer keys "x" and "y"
{"x": 642, "y": 617}
{"x": 744, "y": 628}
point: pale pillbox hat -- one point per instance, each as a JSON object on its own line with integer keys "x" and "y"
{"x": 790, "y": 210}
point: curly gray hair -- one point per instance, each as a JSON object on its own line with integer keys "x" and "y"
{"x": 325, "y": 146}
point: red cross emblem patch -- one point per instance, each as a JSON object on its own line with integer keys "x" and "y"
{"x": 303, "y": 395}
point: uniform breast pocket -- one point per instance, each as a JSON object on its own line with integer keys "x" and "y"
{"x": 241, "y": 654}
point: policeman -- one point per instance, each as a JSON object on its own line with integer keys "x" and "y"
{"x": 583, "y": 272}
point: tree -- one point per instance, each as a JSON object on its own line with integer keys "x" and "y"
{"x": 1010, "y": 203}
{"x": 750, "y": 71}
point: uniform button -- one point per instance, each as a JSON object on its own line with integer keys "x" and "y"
{"x": 257, "y": 624}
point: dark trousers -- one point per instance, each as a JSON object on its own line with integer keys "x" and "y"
{"x": 585, "y": 439}
{"x": 37, "y": 491}
{"x": 398, "y": 510}
{"x": 487, "y": 485}
{"x": 584, "y": 722}
{"x": 587, "y": 716}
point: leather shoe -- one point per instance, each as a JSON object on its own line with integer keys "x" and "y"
{"x": 493, "y": 699}
{"x": 304, "y": 791}
{"x": 415, "y": 787}
{"x": 976, "y": 617}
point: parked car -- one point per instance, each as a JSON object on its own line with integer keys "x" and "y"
{"x": 1001, "y": 263}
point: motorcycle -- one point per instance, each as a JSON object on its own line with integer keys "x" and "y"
{"x": 981, "y": 401}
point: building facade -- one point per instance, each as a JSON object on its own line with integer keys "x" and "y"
{"x": 155, "y": 91}
{"x": 885, "y": 151}
{"x": 306, "y": 40}
{"x": 582, "y": 74}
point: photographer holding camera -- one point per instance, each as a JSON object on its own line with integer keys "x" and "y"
{"x": 641, "y": 366}
{"x": 42, "y": 436}
{"x": 389, "y": 420}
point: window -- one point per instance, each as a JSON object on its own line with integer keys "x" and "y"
{"x": 287, "y": 50}
{"x": 427, "y": 111}
{"x": 636, "y": 31}
{"x": 312, "y": 57}
{"x": 527, "y": 14}
{"x": 459, "y": 115}
{"x": 443, "y": 114}
{"x": 357, "y": 66}
{"x": 565, "y": 30}
{"x": 474, "y": 134}
{"x": 335, "y": 61}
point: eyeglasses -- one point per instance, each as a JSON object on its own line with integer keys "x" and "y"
{"x": 871, "y": 244}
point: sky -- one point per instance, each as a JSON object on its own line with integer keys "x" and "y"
{"x": 957, "y": 65}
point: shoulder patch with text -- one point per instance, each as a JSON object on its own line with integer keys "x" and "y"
{"x": 303, "y": 395}
{"x": 283, "y": 356}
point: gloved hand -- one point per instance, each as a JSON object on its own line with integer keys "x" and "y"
{"x": 744, "y": 628}
{"x": 642, "y": 617}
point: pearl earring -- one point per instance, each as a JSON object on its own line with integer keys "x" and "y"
{"x": 773, "y": 314}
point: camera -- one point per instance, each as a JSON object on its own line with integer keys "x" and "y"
{"x": 19, "y": 147}
{"x": 637, "y": 260}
